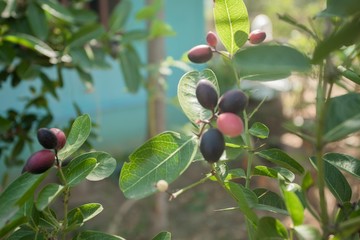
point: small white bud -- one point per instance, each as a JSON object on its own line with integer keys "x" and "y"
{"x": 162, "y": 185}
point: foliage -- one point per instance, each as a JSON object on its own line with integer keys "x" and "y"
{"x": 335, "y": 54}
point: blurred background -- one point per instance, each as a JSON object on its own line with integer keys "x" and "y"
{"x": 32, "y": 97}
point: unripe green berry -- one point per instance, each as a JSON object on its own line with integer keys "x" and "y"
{"x": 200, "y": 54}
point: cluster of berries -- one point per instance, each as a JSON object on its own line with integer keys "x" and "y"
{"x": 52, "y": 140}
{"x": 226, "y": 110}
{"x": 204, "y": 52}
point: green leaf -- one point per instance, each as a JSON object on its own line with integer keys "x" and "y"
{"x": 269, "y": 62}
{"x": 79, "y": 132}
{"x": 78, "y": 169}
{"x": 85, "y": 34}
{"x": 231, "y": 23}
{"x": 342, "y": 117}
{"x": 94, "y": 235}
{"x": 37, "y": 21}
{"x": 274, "y": 172}
{"x": 32, "y": 43}
{"x": 282, "y": 159}
{"x": 150, "y": 11}
{"x": 269, "y": 201}
{"x": 344, "y": 162}
{"x": 74, "y": 219}
{"x": 342, "y": 8}
{"x": 165, "y": 156}
{"x": 187, "y": 96}
{"x": 56, "y": 10}
{"x": 47, "y": 195}
{"x": 23, "y": 232}
{"x": 337, "y": 183}
{"x": 347, "y": 228}
{"x": 349, "y": 74}
{"x": 162, "y": 236}
{"x": 259, "y": 130}
{"x": 134, "y": 35}
{"x": 16, "y": 194}
{"x": 293, "y": 205}
{"x": 105, "y": 166}
{"x": 88, "y": 211}
{"x": 270, "y": 228}
{"x": 345, "y": 36}
{"x": 245, "y": 198}
{"x": 130, "y": 64}
{"x": 307, "y": 232}
{"x": 119, "y": 16}
{"x": 161, "y": 29}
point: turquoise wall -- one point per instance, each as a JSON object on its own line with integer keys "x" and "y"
{"x": 121, "y": 116}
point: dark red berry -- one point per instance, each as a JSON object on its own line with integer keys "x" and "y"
{"x": 40, "y": 162}
{"x": 61, "y": 138}
{"x": 200, "y": 54}
{"x": 211, "y": 39}
{"x": 47, "y": 138}
{"x": 206, "y": 94}
{"x": 212, "y": 145}
{"x": 234, "y": 101}
{"x": 257, "y": 36}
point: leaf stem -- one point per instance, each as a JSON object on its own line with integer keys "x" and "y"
{"x": 202, "y": 180}
{"x": 250, "y": 153}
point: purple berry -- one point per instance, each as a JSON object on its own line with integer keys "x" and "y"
{"x": 40, "y": 162}
{"x": 47, "y": 138}
{"x": 200, "y": 54}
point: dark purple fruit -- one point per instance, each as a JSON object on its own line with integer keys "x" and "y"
{"x": 211, "y": 39}
{"x": 47, "y": 138}
{"x": 61, "y": 138}
{"x": 200, "y": 54}
{"x": 40, "y": 162}
{"x": 234, "y": 101}
{"x": 206, "y": 94}
{"x": 257, "y": 36}
{"x": 212, "y": 145}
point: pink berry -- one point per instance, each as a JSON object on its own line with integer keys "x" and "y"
{"x": 257, "y": 36}
{"x": 211, "y": 39}
{"x": 230, "y": 124}
{"x": 61, "y": 138}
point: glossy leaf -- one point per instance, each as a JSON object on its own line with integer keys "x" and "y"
{"x": 259, "y": 130}
{"x": 274, "y": 172}
{"x": 280, "y": 158}
{"x": 307, "y": 232}
{"x": 130, "y": 65}
{"x": 344, "y": 162}
{"x": 342, "y": 117}
{"x": 242, "y": 196}
{"x": 165, "y": 156}
{"x": 293, "y": 206}
{"x": 231, "y": 23}
{"x": 187, "y": 96}
{"x": 345, "y": 36}
{"x": 85, "y": 34}
{"x": 163, "y": 236}
{"x": 270, "y": 62}
{"x": 269, "y": 201}
{"x": 16, "y": 194}
{"x": 47, "y": 195}
{"x": 78, "y": 169}
{"x": 88, "y": 211}
{"x": 119, "y": 16}
{"x": 79, "y": 132}
{"x": 31, "y": 42}
{"x": 105, "y": 166}
{"x": 342, "y": 8}
{"x": 37, "y": 21}
{"x": 94, "y": 235}
{"x": 349, "y": 74}
{"x": 270, "y": 228}
{"x": 56, "y": 10}
{"x": 348, "y": 228}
